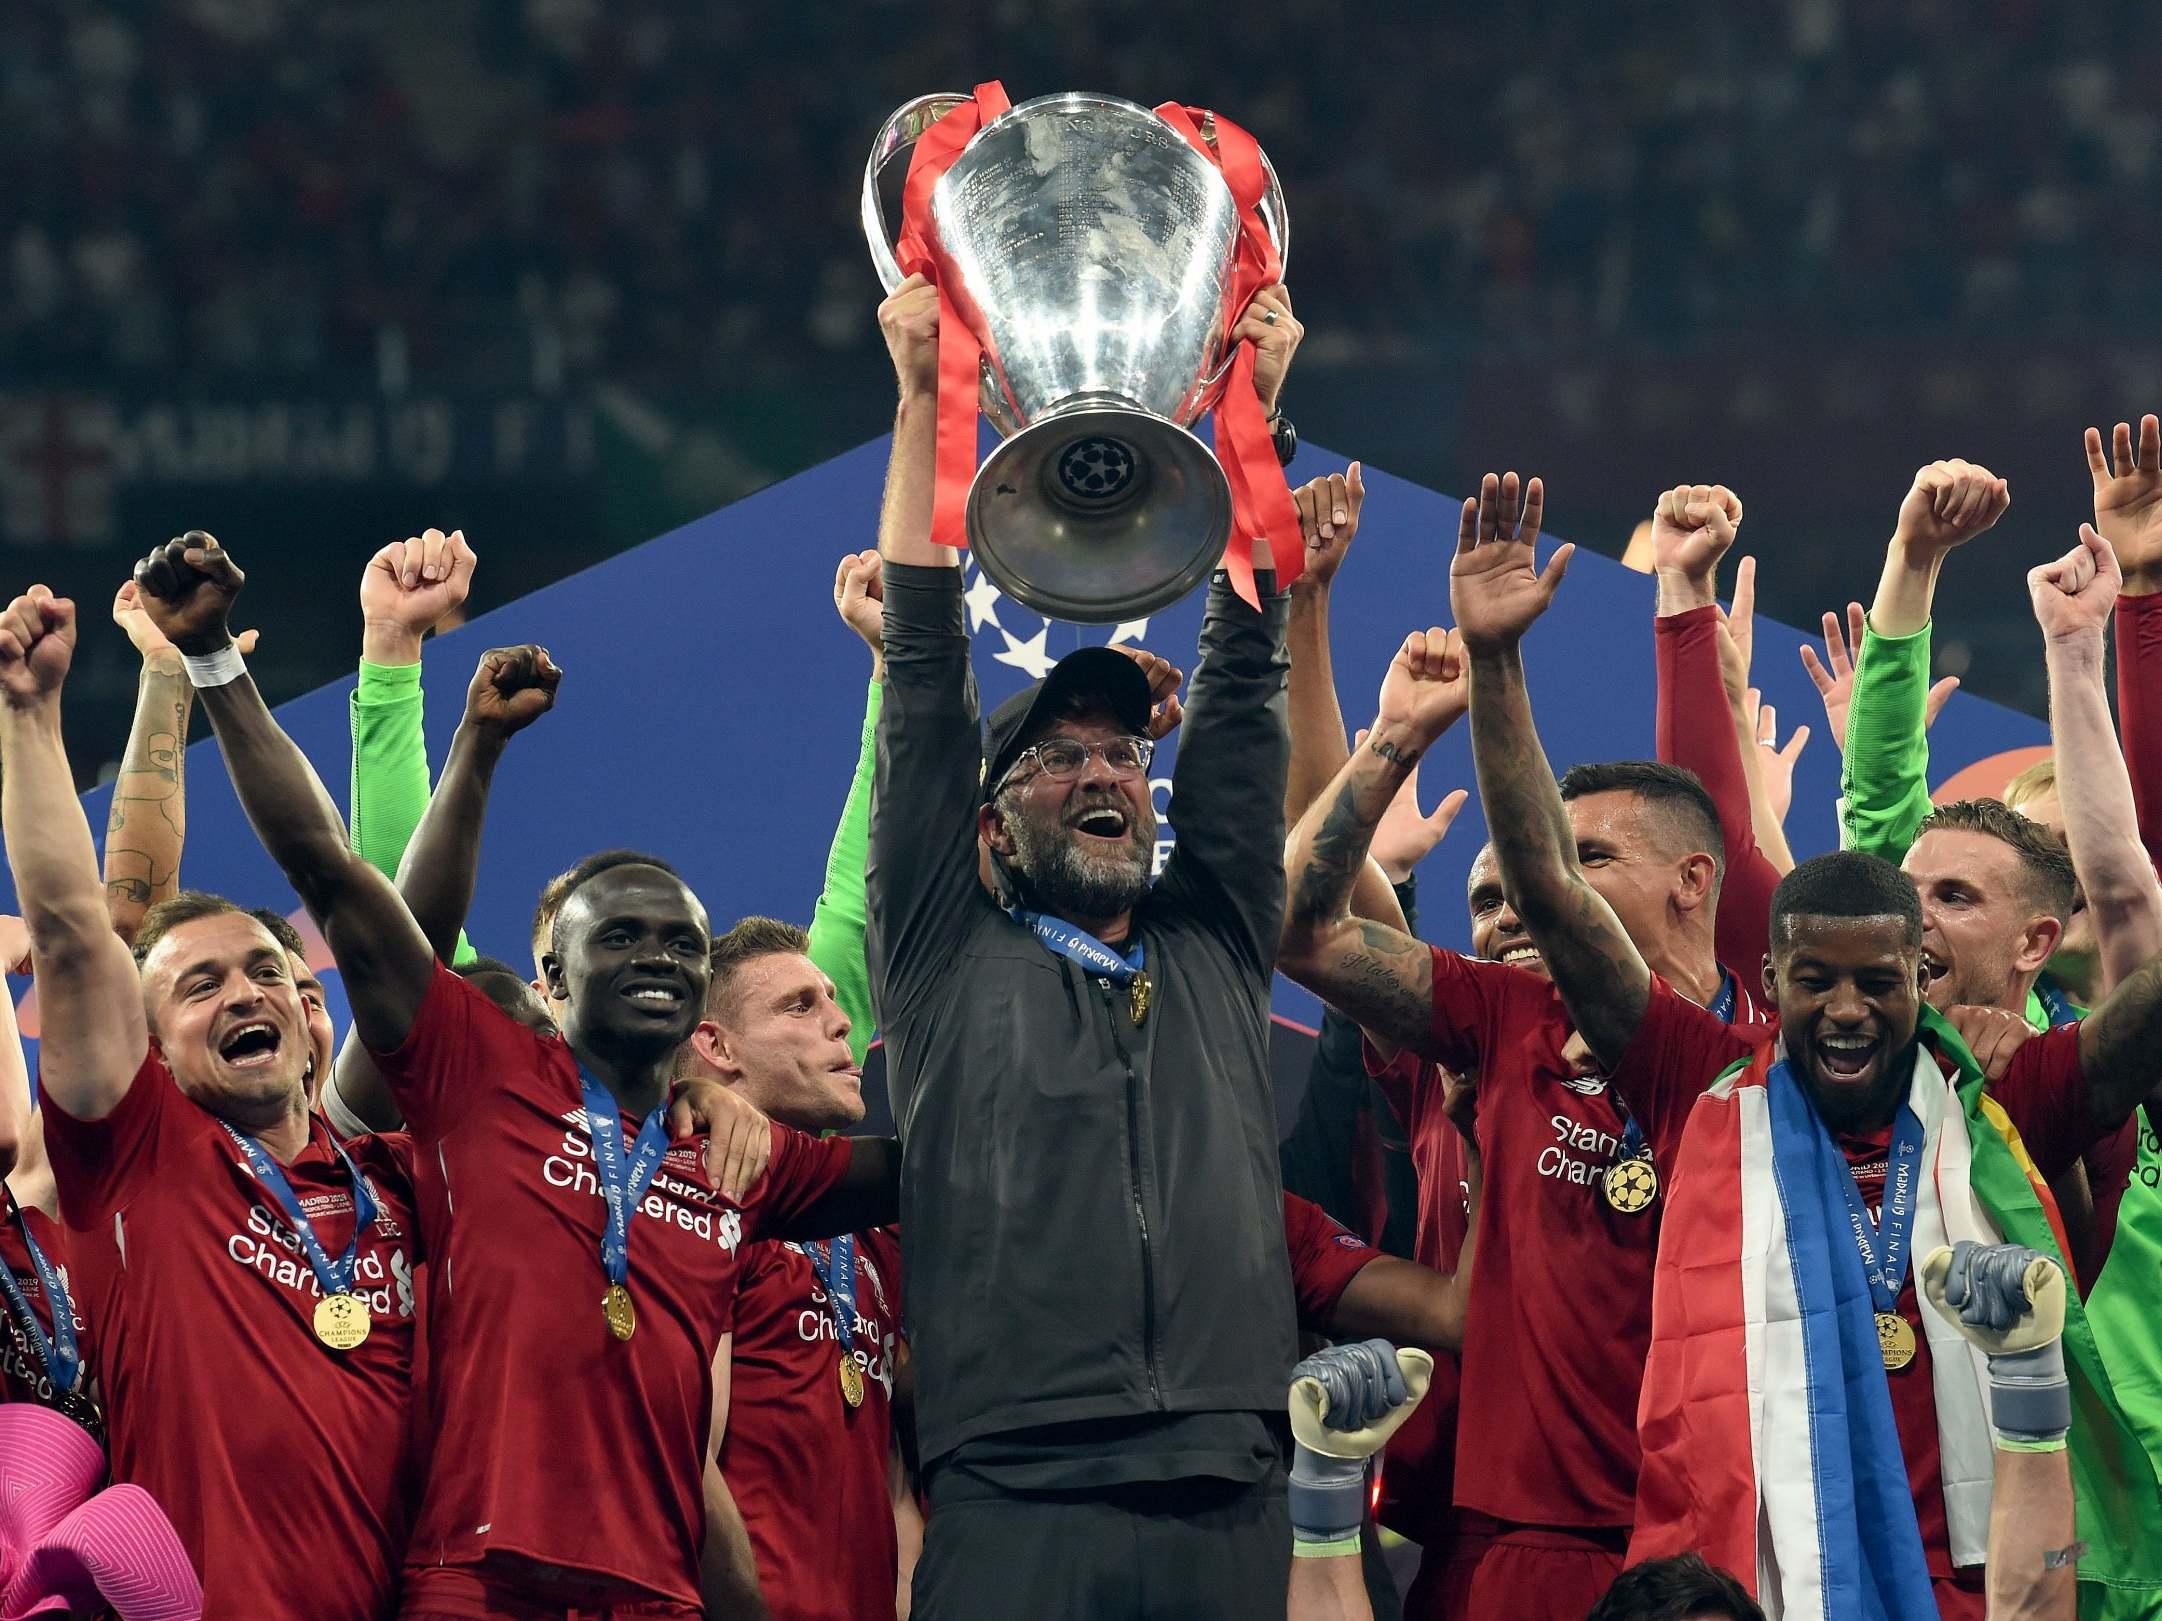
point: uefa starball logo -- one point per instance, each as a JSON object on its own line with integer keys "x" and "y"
{"x": 1032, "y": 656}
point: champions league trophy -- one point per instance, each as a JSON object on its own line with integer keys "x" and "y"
{"x": 1088, "y": 245}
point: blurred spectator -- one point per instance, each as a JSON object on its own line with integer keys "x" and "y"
{"x": 538, "y": 193}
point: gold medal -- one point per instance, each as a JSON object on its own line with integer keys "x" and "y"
{"x": 851, "y": 1380}
{"x": 342, "y": 1321}
{"x": 621, "y": 1314}
{"x": 1895, "y": 1338}
{"x": 1138, "y": 991}
{"x": 1631, "y": 1184}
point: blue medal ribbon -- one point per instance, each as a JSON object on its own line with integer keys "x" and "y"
{"x": 63, "y": 1357}
{"x": 837, "y": 1275}
{"x": 623, "y": 1183}
{"x": 334, "y": 1278}
{"x": 1062, "y": 939}
{"x": 1722, "y": 1009}
{"x": 1883, "y": 1243}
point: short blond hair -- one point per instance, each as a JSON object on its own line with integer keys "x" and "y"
{"x": 2032, "y": 783}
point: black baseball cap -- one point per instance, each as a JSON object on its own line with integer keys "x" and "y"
{"x": 1103, "y": 675}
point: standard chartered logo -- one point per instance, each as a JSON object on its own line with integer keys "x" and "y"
{"x": 269, "y": 1249}
{"x": 1579, "y": 1153}
{"x": 571, "y": 1166}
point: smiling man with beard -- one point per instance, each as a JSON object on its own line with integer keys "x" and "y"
{"x": 1898, "y": 1104}
{"x": 213, "y": 1224}
{"x": 1100, "y": 1299}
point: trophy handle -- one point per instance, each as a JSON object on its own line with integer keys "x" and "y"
{"x": 898, "y": 135}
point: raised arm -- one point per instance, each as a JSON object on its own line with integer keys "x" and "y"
{"x": 2128, "y": 513}
{"x": 91, "y": 1000}
{"x": 1498, "y": 593}
{"x": 1374, "y": 973}
{"x": 909, "y": 320}
{"x": 1227, "y": 788}
{"x": 1885, "y": 782}
{"x": 148, "y": 822}
{"x": 188, "y": 588}
{"x": 512, "y": 688}
{"x": 920, "y": 878}
{"x": 1328, "y": 510}
{"x": 2073, "y": 598}
{"x": 1768, "y": 766}
{"x": 839, "y": 919}
{"x": 1693, "y": 527}
{"x": 407, "y": 589}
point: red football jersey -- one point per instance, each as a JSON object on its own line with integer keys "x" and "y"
{"x": 2043, "y": 1093}
{"x": 1325, "y": 1257}
{"x": 1559, "y": 1319}
{"x": 807, "y": 1471}
{"x": 281, "y": 1462}
{"x": 565, "y": 1459}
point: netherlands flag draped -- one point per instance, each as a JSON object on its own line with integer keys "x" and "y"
{"x": 1775, "y": 1371}
{"x": 1766, "y": 1421}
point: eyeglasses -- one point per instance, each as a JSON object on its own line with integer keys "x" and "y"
{"x": 1064, "y": 758}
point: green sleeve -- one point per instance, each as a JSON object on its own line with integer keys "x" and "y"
{"x": 1885, "y": 780}
{"x": 390, "y": 769}
{"x": 842, "y": 913}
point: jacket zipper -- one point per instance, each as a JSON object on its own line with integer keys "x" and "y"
{"x": 1141, "y": 1213}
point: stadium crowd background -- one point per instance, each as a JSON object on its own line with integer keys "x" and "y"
{"x": 567, "y": 272}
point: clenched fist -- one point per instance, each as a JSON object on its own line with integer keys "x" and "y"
{"x": 37, "y": 643}
{"x": 1426, "y": 689}
{"x": 1949, "y": 504}
{"x": 2074, "y": 595}
{"x": 909, "y": 319}
{"x": 859, "y": 597}
{"x": 408, "y": 588}
{"x": 512, "y": 688}
{"x": 1692, "y": 527}
{"x": 188, "y": 586}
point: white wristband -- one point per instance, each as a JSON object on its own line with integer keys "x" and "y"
{"x": 215, "y": 669}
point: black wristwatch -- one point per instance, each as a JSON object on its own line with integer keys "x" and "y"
{"x": 1285, "y": 437}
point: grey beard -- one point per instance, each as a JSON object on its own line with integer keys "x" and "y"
{"x": 1062, "y": 881}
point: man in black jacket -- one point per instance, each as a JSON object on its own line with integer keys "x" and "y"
{"x": 1099, "y": 1300}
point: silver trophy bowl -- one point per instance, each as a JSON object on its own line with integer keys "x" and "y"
{"x": 1088, "y": 246}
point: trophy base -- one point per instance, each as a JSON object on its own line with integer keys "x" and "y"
{"x": 1099, "y": 514}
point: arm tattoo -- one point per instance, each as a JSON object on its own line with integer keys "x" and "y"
{"x": 1332, "y": 865}
{"x": 1404, "y": 757}
{"x": 1595, "y": 965}
{"x": 1379, "y": 977}
{"x": 147, "y": 826}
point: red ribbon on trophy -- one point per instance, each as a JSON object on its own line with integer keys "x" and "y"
{"x": 1261, "y": 502}
{"x": 960, "y": 355}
